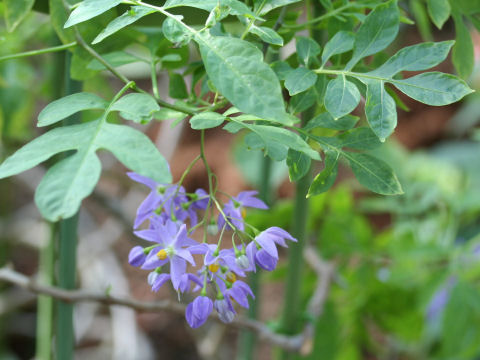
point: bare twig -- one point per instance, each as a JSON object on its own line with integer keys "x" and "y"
{"x": 292, "y": 343}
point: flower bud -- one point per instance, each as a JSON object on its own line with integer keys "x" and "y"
{"x": 137, "y": 256}
{"x": 242, "y": 262}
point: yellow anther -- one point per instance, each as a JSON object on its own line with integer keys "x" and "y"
{"x": 231, "y": 277}
{"x": 244, "y": 212}
{"x": 213, "y": 267}
{"x": 162, "y": 254}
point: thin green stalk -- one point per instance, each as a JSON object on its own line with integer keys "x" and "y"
{"x": 248, "y": 339}
{"x": 45, "y": 303}
{"x": 65, "y": 340}
{"x": 38, "y": 52}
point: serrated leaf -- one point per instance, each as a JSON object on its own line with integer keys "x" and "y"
{"x": 325, "y": 120}
{"x": 434, "y": 88}
{"x": 69, "y": 105}
{"x": 116, "y": 58}
{"x": 89, "y": 9}
{"x": 206, "y": 120}
{"x": 374, "y": 174}
{"x": 174, "y": 32}
{"x": 462, "y": 55}
{"x": 307, "y": 50}
{"x": 298, "y": 164}
{"x": 439, "y": 11}
{"x": 377, "y": 32}
{"x": 136, "y": 107}
{"x": 237, "y": 70}
{"x": 299, "y": 80}
{"x": 177, "y": 89}
{"x": 15, "y": 11}
{"x": 380, "y": 110}
{"x": 341, "y": 42}
{"x": 267, "y": 35}
{"x": 326, "y": 178}
{"x": 280, "y": 137}
{"x": 414, "y": 58}
{"x": 362, "y": 138}
{"x": 129, "y": 17}
{"x": 341, "y": 97}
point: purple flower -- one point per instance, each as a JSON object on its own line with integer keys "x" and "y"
{"x": 235, "y": 209}
{"x": 153, "y": 200}
{"x": 214, "y": 259}
{"x": 137, "y": 256}
{"x": 201, "y": 199}
{"x": 171, "y": 249}
{"x": 263, "y": 251}
{"x": 440, "y": 300}
{"x": 198, "y": 311}
{"x": 225, "y": 309}
{"x": 239, "y": 291}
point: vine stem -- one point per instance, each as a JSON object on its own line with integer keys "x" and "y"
{"x": 65, "y": 340}
{"x": 38, "y": 52}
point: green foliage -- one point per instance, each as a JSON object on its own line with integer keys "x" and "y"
{"x": 15, "y": 12}
{"x": 206, "y": 120}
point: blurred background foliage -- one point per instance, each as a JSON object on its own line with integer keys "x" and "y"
{"x": 407, "y": 281}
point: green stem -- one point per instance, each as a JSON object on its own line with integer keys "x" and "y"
{"x": 318, "y": 19}
{"x": 38, "y": 52}
{"x": 248, "y": 339}
{"x": 67, "y": 254}
{"x": 45, "y": 303}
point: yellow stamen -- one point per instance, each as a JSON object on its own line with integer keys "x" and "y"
{"x": 231, "y": 277}
{"x": 213, "y": 267}
{"x": 244, "y": 212}
{"x": 162, "y": 254}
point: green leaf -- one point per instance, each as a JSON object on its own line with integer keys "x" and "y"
{"x": 236, "y": 7}
{"x": 58, "y": 17}
{"x": 414, "y": 58}
{"x": 326, "y": 178}
{"x": 377, "y": 32}
{"x": 174, "y": 32}
{"x": 374, "y": 174}
{"x": 135, "y": 150}
{"x": 302, "y": 101}
{"x": 136, "y": 107}
{"x": 116, "y": 58}
{"x": 434, "y": 88}
{"x": 237, "y": 70}
{"x": 69, "y": 105}
{"x": 362, "y": 138}
{"x": 206, "y": 120}
{"x": 89, "y": 9}
{"x": 439, "y": 11}
{"x": 15, "y": 11}
{"x": 380, "y": 110}
{"x": 42, "y": 148}
{"x": 298, "y": 164}
{"x": 276, "y": 137}
{"x": 299, "y": 80}
{"x": 307, "y": 50}
{"x": 66, "y": 184}
{"x": 129, "y": 17}
{"x": 269, "y": 5}
{"x": 281, "y": 68}
{"x": 341, "y": 97}
{"x": 177, "y": 88}
{"x": 325, "y": 120}
{"x": 341, "y": 42}
{"x": 267, "y": 35}
{"x": 462, "y": 55}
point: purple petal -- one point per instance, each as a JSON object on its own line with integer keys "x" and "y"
{"x": 265, "y": 261}
{"x": 267, "y": 244}
{"x": 136, "y": 257}
{"x": 159, "y": 281}
{"x": 251, "y": 250}
{"x": 152, "y": 261}
{"x": 202, "y": 307}
{"x": 239, "y": 296}
{"x": 143, "y": 180}
{"x": 178, "y": 266}
{"x": 185, "y": 254}
{"x": 149, "y": 235}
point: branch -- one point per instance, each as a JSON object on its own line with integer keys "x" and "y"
{"x": 292, "y": 343}
{"x": 38, "y": 52}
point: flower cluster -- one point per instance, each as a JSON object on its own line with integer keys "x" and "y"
{"x": 173, "y": 215}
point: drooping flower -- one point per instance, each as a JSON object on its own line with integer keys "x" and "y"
{"x": 235, "y": 209}
{"x": 197, "y": 312}
{"x": 137, "y": 256}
